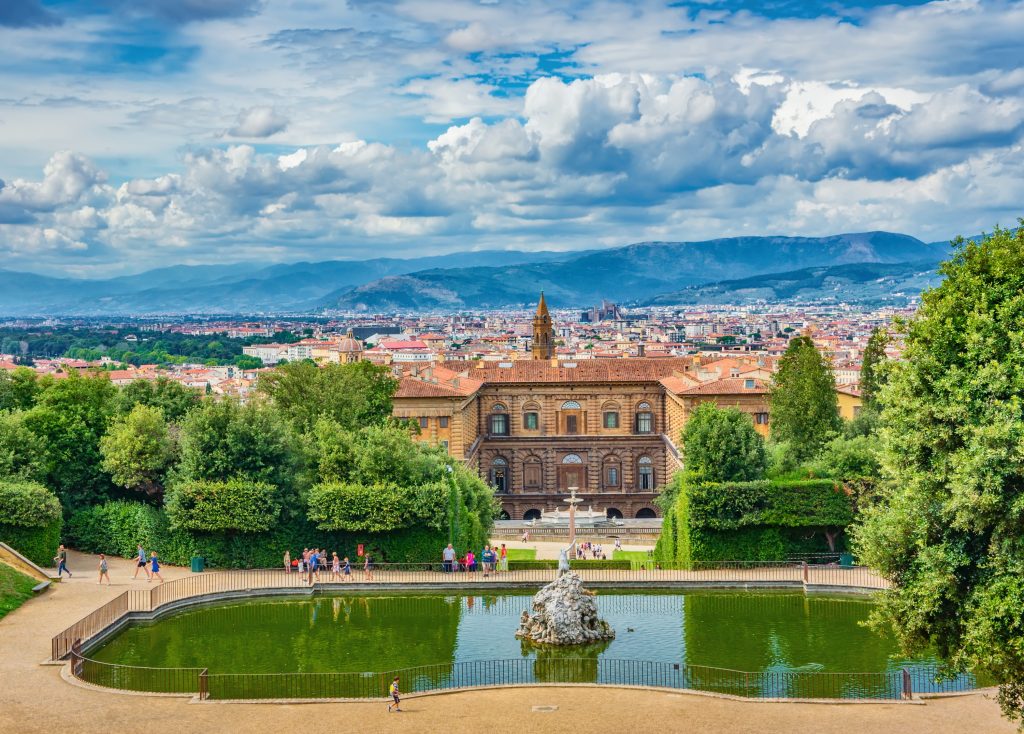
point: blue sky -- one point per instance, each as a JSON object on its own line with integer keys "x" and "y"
{"x": 141, "y": 133}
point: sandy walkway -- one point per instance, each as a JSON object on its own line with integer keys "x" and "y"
{"x": 34, "y": 698}
{"x": 547, "y": 549}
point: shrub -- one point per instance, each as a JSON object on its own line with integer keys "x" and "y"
{"x": 116, "y": 527}
{"x": 235, "y": 505}
{"x": 27, "y": 504}
{"x": 31, "y": 520}
{"x": 379, "y": 507}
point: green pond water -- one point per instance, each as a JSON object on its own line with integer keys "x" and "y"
{"x": 739, "y": 630}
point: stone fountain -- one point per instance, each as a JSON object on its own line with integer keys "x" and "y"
{"x": 564, "y": 613}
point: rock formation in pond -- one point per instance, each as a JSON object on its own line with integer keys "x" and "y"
{"x": 564, "y": 614}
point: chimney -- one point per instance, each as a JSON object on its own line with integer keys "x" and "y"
{"x": 641, "y": 349}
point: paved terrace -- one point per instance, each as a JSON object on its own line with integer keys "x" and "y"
{"x": 34, "y": 698}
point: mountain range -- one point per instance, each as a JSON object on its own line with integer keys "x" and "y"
{"x": 867, "y": 267}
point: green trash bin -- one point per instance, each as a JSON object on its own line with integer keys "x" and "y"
{"x": 846, "y": 560}
{"x": 198, "y": 564}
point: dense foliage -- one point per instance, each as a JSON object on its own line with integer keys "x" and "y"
{"x": 172, "y": 398}
{"x": 872, "y": 374}
{"x": 949, "y": 531}
{"x": 378, "y": 507}
{"x": 233, "y": 505}
{"x": 138, "y": 450}
{"x": 761, "y": 520}
{"x": 804, "y": 406}
{"x": 722, "y": 445}
{"x": 351, "y": 395}
{"x": 30, "y": 520}
{"x": 22, "y": 452}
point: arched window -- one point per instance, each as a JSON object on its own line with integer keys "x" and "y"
{"x": 499, "y": 420}
{"x": 613, "y": 513}
{"x": 645, "y": 474}
{"x": 644, "y": 418}
{"x": 572, "y": 459}
{"x": 570, "y": 405}
{"x": 499, "y": 475}
{"x": 533, "y": 514}
{"x": 646, "y": 513}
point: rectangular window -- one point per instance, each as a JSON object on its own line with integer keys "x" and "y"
{"x": 644, "y": 422}
{"x": 761, "y": 419}
{"x": 444, "y": 445}
{"x": 613, "y": 476}
{"x": 442, "y": 422}
{"x": 499, "y": 425}
{"x": 530, "y": 421}
{"x": 532, "y": 475}
{"x": 571, "y": 424}
{"x": 611, "y": 420}
{"x": 424, "y": 422}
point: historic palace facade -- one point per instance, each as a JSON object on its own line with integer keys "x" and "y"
{"x": 536, "y": 428}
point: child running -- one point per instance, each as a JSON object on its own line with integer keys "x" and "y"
{"x": 154, "y": 567}
{"x": 393, "y": 690}
{"x": 103, "y": 570}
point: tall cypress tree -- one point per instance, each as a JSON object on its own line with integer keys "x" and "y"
{"x": 871, "y": 376}
{"x": 804, "y": 406}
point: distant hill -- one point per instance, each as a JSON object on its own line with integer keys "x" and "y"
{"x": 871, "y": 284}
{"x": 635, "y": 273}
{"x": 478, "y": 279}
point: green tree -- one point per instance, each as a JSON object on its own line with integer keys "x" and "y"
{"x": 222, "y": 440}
{"x": 848, "y": 458}
{"x": 722, "y": 445}
{"x": 173, "y": 398}
{"x": 949, "y": 531}
{"x": 70, "y": 416}
{"x": 138, "y": 450}
{"x": 871, "y": 373}
{"x": 804, "y": 406}
{"x": 18, "y": 389}
{"x": 352, "y": 395}
{"x": 22, "y": 453}
{"x": 245, "y": 362}
{"x": 235, "y": 505}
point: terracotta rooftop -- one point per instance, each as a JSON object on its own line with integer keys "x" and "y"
{"x": 637, "y": 369}
{"x": 729, "y": 386}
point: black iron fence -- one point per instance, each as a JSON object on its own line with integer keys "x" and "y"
{"x": 891, "y": 685}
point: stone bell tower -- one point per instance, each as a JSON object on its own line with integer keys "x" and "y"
{"x": 543, "y": 332}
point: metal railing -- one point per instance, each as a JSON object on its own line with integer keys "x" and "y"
{"x": 890, "y": 685}
{"x": 434, "y": 575}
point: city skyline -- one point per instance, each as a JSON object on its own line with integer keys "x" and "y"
{"x": 154, "y": 133}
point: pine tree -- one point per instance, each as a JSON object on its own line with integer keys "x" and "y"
{"x": 804, "y": 406}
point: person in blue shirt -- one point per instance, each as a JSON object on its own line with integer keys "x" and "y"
{"x": 154, "y": 570}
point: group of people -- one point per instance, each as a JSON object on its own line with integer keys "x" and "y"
{"x": 312, "y": 561}
{"x": 491, "y": 560}
{"x": 594, "y": 550}
{"x": 149, "y": 564}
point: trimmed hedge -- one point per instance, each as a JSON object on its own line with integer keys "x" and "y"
{"x": 552, "y": 563}
{"x": 38, "y": 544}
{"x": 116, "y": 527}
{"x": 234, "y": 505}
{"x": 754, "y": 521}
{"x": 31, "y": 520}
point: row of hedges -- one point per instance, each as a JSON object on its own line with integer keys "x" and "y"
{"x": 116, "y": 527}
{"x": 552, "y": 563}
{"x": 31, "y": 520}
{"x": 754, "y": 521}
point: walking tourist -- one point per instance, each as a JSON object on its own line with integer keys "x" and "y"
{"x": 347, "y": 570}
{"x": 448, "y": 556}
{"x": 140, "y": 562}
{"x": 393, "y": 690}
{"x": 367, "y": 567}
{"x": 311, "y": 567}
{"x": 335, "y": 567}
{"x": 287, "y": 562}
{"x": 503, "y": 558}
{"x": 103, "y": 570}
{"x": 618, "y": 544}
{"x": 470, "y": 561}
{"x": 61, "y": 559}
{"x": 526, "y": 536}
{"x": 487, "y": 558}
{"x": 154, "y": 567}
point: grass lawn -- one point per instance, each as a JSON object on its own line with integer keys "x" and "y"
{"x": 15, "y": 589}
{"x": 522, "y": 554}
{"x": 622, "y": 555}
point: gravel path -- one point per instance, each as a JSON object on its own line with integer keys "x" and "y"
{"x": 34, "y": 698}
